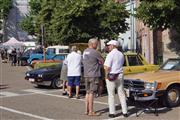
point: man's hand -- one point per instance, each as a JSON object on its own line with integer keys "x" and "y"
{"x": 107, "y": 69}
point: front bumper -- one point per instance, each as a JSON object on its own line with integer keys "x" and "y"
{"x": 130, "y": 92}
{"x": 38, "y": 81}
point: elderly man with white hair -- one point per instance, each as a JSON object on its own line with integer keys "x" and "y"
{"x": 73, "y": 62}
{"x": 114, "y": 78}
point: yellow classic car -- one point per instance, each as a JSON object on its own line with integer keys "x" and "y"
{"x": 136, "y": 63}
{"x": 168, "y": 78}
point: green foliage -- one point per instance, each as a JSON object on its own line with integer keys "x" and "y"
{"x": 160, "y": 14}
{"x": 28, "y": 25}
{"x": 35, "y": 6}
{"x": 69, "y": 21}
{"x": 5, "y": 6}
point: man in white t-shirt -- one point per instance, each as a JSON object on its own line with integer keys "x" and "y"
{"x": 73, "y": 62}
{"x": 114, "y": 66}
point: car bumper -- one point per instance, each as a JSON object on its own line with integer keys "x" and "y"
{"x": 129, "y": 93}
{"x": 38, "y": 81}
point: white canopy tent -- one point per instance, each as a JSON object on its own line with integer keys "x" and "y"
{"x": 13, "y": 43}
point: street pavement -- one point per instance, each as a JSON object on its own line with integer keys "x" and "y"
{"x": 21, "y": 100}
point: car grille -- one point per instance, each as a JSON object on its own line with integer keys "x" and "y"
{"x": 134, "y": 84}
{"x": 33, "y": 75}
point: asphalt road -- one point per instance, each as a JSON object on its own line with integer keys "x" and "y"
{"x": 21, "y": 100}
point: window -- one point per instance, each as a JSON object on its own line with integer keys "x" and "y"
{"x": 171, "y": 65}
{"x": 134, "y": 60}
{"x": 51, "y": 50}
{"x": 59, "y": 57}
{"x": 63, "y": 50}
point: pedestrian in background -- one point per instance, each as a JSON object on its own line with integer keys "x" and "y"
{"x": 114, "y": 78}
{"x": 92, "y": 60}
{"x": 73, "y": 62}
{"x": 63, "y": 77}
{"x": 14, "y": 57}
{"x": 18, "y": 52}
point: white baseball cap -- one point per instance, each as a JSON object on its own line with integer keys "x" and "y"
{"x": 113, "y": 42}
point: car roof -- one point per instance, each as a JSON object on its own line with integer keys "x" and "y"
{"x": 129, "y": 53}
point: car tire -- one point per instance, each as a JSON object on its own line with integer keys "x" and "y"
{"x": 173, "y": 96}
{"x": 56, "y": 83}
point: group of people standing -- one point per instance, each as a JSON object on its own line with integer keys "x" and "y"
{"x": 92, "y": 63}
{"x": 11, "y": 55}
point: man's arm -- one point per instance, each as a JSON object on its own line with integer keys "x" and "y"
{"x": 107, "y": 70}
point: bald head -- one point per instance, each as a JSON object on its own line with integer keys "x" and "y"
{"x": 93, "y": 43}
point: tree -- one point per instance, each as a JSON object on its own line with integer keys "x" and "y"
{"x": 68, "y": 21}
{"x": 5, "y": 6}
{"x": 29, "y": 23}
{"x": 160, "y": 14}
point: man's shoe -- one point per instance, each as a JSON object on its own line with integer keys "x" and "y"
{"x": 112, "y": 115}
{"x": 70, "y": 96}
{"x": 94, "y": 114}
{"x": 125, "y": 115}
{"x": 64, "y": 93}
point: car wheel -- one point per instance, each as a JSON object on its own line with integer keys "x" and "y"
{"x": 56, "y": 83}
{"x": 23, "y": 63}
{"x": 173, "y": 96}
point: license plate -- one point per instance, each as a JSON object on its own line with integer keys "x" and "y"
{"x": 31, "y": 79}
{"x": 127, "y": 92}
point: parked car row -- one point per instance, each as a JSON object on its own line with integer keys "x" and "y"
{"x": 134, "y": 63}
{"x": 167, "y": 76}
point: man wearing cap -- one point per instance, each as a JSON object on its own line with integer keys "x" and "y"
{"x": 114, "y": 67}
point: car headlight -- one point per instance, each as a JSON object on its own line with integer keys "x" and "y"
{"x": 149, "y": 86}
{"x": 27, "y": 74}
{"x": 39, "y": 75}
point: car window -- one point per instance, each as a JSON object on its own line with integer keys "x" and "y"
{"x": 171, "y": 65}
{"x": 59, "y": 57}
{"x": 125, "y": 64}
{"x": 134, "y": 60}
{"x": 51, "y": 51}
{"x": 63, "y": 50}
{"x": 38, "y": 50}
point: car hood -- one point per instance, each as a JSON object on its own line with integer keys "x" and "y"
{"x": 158, "y": 76}
{"x": 41, "y": 70}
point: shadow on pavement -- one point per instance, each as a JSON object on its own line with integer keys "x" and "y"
{"x": 5, "y": 86}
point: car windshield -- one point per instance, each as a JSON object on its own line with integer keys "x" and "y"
{"x": 59, "y": 57}
{"x": 173, "y": 64}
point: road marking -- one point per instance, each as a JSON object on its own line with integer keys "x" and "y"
{"x": 29, "y": 68}
{"x": 30, "y": 92}
{"x": 35, "y": 90}
{"x": 9, "y": 94}
{"x": 24, "y": 113}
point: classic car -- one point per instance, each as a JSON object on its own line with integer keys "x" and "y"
{"x": 136, "y": 63}
{"x": 48, "y": 76}
{"x": 168, "y": 78}
{"x": 50, "y": 52}
{"x": 55, "y": 59}
{"x": 26, "y": 54}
